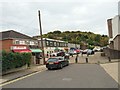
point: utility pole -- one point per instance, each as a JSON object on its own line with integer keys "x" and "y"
{"x": 41, "y": 37}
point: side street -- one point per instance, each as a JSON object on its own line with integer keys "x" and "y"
{"x": 60, "y": 45}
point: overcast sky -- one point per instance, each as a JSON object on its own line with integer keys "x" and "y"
{"x": 72, "y": 15}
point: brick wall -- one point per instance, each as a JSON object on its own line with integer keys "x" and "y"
{"x": 6, "y": 44}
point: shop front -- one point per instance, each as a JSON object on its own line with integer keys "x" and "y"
{"x": 20, "y": 49}
{"x": 37, "y": 55}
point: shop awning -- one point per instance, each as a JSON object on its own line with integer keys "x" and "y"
{"x": 22, "y": 51}
{"x": 36, "y": 50}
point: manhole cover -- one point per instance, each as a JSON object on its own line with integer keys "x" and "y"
{"x": 67, "y": 79}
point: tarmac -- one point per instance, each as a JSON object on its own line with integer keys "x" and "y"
{"x": 110, "y": 67}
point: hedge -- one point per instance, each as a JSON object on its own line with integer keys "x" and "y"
{"x": 14, "y": 60}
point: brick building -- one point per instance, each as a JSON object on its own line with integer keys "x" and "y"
{"x": 12, "y": 41}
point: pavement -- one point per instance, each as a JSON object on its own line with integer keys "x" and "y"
{"x": 21, "y": 73}
{"x": 112, "y": 70}
{"x": 93, "y": 59}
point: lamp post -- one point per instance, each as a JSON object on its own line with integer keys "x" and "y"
{"x": 41, "y": 37}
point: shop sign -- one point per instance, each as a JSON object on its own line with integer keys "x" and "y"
{"x": 18, "y": 47}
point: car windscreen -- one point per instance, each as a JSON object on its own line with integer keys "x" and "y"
{"x": 52, "y": 59}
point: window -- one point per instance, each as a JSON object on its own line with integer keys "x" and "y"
{"x": 22, "y": 42}
{"x": 16, "y": 41}
{"x": 58, "y": 44}
{"x": 27, "y": 42}
{"x": 32, "y": 43}
{"x": 55, "y": 44}
{"x": 51, "y": 43}
{"x": 47, "y": 43}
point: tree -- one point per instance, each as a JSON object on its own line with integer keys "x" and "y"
{"x": 57, "y": 32}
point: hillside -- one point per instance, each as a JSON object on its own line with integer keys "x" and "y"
{"x": 79, "y": 37}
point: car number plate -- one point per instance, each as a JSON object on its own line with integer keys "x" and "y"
{"x": 51, "y": 63}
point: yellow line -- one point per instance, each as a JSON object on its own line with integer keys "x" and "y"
{"x": 18, "y": 79}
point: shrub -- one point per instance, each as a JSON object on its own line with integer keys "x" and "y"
{"x": 14, "y": 60}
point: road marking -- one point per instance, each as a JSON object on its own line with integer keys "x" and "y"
{"x": 19, "y": 79}
{"x": 67, "y": 79}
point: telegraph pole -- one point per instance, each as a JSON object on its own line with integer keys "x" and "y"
{"x": 41, "y": 37}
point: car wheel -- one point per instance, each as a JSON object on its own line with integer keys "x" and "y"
{"x": 49, "y": 68}
{"x": 61, "y": 66}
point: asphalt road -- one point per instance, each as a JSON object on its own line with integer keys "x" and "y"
{"x": 72, "y": 76}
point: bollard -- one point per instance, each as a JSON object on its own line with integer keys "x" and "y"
{"x": 109, "y": 59}
{"x": 76, "y": 59}
{"x": 86, "y": 60}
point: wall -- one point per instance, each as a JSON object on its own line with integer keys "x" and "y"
{"x": 71, "y": 45}
{"x": 115, "y": 24}
{"x": 6, "y": 44}
{"x": 113, "y": 54}
{"x": 117, "y": 42}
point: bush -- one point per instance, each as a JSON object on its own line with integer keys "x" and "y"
{"x": 14, "y": 60}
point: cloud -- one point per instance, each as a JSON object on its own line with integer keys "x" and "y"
{"x": 64, "y": 15}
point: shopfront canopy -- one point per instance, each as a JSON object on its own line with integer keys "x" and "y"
{"x": 36, "y": 50}
{"x": 23, "y": 51}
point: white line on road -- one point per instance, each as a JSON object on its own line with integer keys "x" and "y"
{"x": 19, "y": 79}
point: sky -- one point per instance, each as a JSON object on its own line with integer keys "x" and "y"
{"x": 63, "y": 15}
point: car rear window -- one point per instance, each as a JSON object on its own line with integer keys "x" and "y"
{"x": 52, "y": 59}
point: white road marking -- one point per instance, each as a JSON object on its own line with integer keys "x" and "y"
{"x": 18, "y": 79}
{"x": 67, "y": 79}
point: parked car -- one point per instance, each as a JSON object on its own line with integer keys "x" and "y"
{"x": 84, "y": 51}
{"x": 56, "y": 62}
{"x": 61, "y": 53}
{"x": 67, "y": 56}
{"x": 54, "y": 54}
{"x": 71, "y": 52}
{"x": 90, "y": 52}
{"x": 74, "y": 50}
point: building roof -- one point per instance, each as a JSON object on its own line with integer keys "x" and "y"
{"x": 11, "y": 34}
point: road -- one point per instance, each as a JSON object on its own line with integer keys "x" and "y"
{"x": 72, "y": 76}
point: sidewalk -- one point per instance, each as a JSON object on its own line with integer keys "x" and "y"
{"x": 112, "y": 70}
{"x": 21, "y": 73}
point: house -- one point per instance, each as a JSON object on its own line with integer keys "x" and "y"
{"x": 114, "y": 36}
{"x": 13, "y": 41}
{"x": 114, "y": 32}
{"x": 52, "y": 45}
